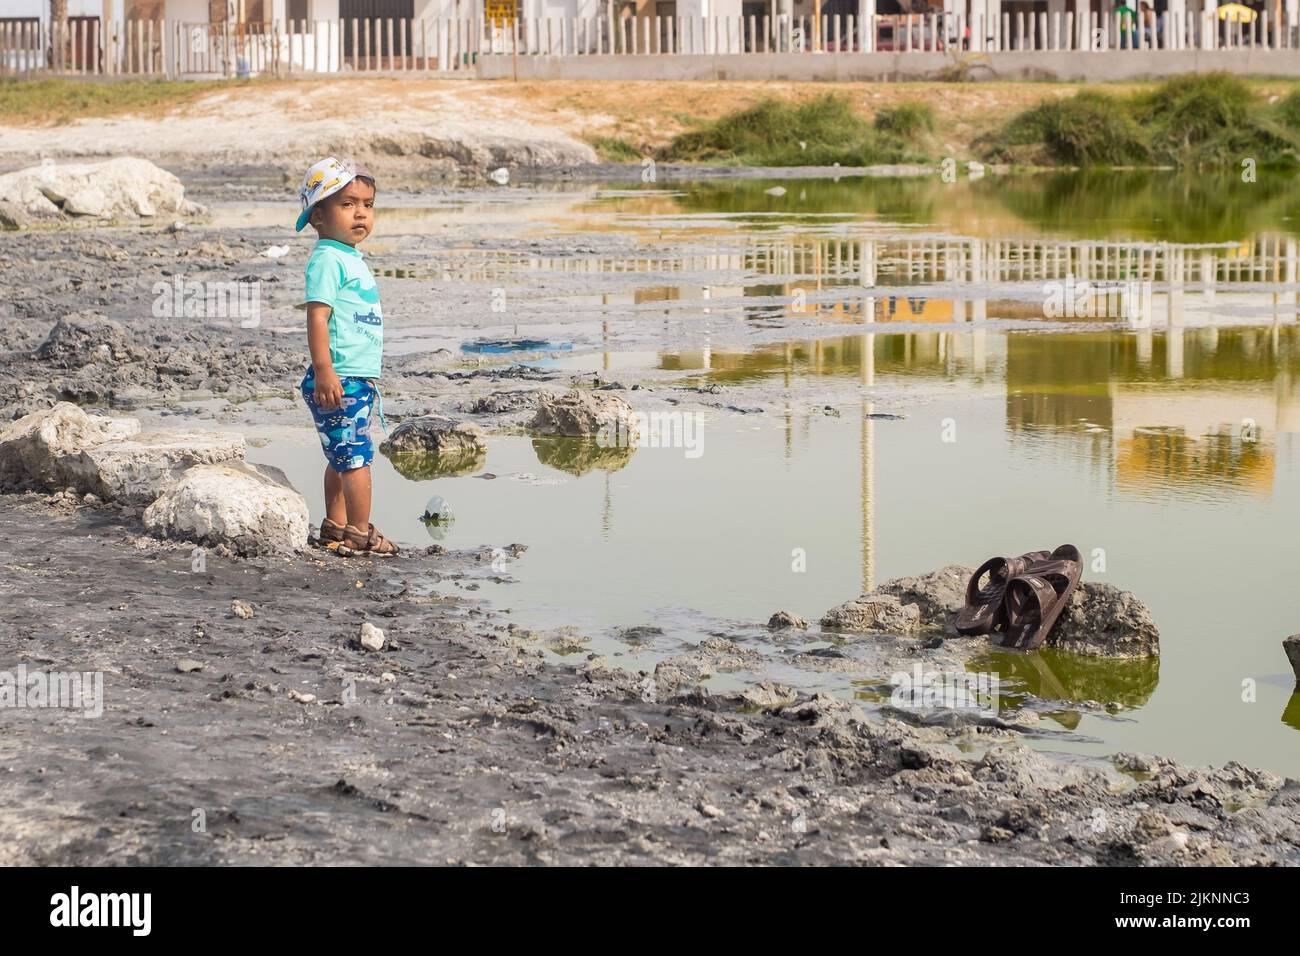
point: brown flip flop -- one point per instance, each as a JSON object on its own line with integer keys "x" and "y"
{"x": 1036, "y": 598}
{"x": 983, "y": 612}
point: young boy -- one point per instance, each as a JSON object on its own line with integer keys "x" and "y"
{"x": 345, "y": 333}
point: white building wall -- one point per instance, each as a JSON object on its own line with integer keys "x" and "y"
{"x": 41, "y": 8}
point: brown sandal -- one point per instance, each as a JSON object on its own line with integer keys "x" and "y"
{"x": 1036, "y": 598}
{"x": 984, "y": 611}
{"x": 357, "y": 542}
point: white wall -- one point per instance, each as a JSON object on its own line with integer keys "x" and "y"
{"x": 187, "y": 11}
{"x": 41, "y": 8}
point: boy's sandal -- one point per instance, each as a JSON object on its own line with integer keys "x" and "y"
{"x": 329, "y": 537}
{"x": 358, "y": 542}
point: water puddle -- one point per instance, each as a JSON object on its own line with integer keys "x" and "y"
{"x": 955, "y": 417}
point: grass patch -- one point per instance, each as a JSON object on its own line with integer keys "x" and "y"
{"x": 56, "y": 101}
{"x": 1087, "y": 129}
{"x": 910, "y": 119}
{"x": 821, "y": 131}
{"x": 1196, "y": 122}
{"x": 612, "y": 149}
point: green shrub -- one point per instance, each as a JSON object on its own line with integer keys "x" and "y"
{"x": 908, "y": 120}
{"x": 821, "y": 131}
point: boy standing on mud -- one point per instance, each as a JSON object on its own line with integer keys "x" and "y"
{"x": 345, "y": 333}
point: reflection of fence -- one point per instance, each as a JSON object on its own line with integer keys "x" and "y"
{"x": 174, "y": 48}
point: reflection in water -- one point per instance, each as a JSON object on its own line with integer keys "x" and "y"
{"x": 1204, "y": 425}
{"x": 578, "y": 456}
{"x": 421, "y": 466}
{"x": 1291, "y": 715}
{"x": 1057, "y": 675}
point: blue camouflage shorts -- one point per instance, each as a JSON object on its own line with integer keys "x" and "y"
{"x": 344, "y": 432}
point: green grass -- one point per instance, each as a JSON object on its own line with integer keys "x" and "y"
{"x": 612, "y": 149}
{"x": 911, "y": 119}
{"x": 1210, "y": 121}
{"x": 821, "y": 131}
{"x": 57, "y": 101}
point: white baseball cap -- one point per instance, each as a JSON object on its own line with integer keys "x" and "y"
{"x": 323, "y": 179}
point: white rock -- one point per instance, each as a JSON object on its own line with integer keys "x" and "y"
{"x": 372, "y": 638}
{"x": 250, "y": 508}
{"x": 775, "y": 191}
{"x": 500, "y": 176}
{"x": 275, "y": 252}
{"x": 122, "y": 188}
{"x": 141, "y": 468}
{"x": 301, "y": 697}
{"x": 38, "y": 447}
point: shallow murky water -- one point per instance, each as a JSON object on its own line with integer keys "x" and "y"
{"x": 1156, "y": 432}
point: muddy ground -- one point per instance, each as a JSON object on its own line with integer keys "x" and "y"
{"x": 454, "y": 744}
{"x": 458, "y": 742}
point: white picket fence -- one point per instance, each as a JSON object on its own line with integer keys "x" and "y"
{"x": 176, "y": 49}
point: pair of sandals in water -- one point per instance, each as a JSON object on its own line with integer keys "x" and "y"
{"x": 1021, "y": 597}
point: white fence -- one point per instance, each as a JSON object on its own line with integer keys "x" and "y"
{"x": 176, "y": 49}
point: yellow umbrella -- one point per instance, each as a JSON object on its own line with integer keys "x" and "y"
{"x": 1237, "y": 11}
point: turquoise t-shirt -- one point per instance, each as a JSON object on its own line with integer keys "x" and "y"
{"x": 338, "y": 277}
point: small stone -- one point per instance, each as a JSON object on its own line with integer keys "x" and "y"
{"x": 241, "y": 610}
{"x": 372, "y": 638}
{"x": 709, "y": 810}
{"x": 784, "y": 619}
{"x": 769, "y": 695}
{"x": 301, "y": 697}
{"x": 993, "y": 834}
{"x": 387, "y": 677}
{"x": 1151, "y": 825}
{"x": 187, "y": 666}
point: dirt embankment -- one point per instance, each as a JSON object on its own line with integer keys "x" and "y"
{"x": 437, "y": 126}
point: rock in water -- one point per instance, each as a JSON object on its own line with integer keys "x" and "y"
{"x": 248, "y": 508}
{"x": 874, "y": 613}
{"x": 1103, "y": 621}
{"x": 432, "y": 434}
{"x": 1292, "y": 647}
{"x": 938, "y": 595}
{"x": 123, "y": 188}
{"x": 784, "y": 619}
{"x": 583, "y": 413}
{"x": 372, "y": 638}
{"x": 1100, "y": 621}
